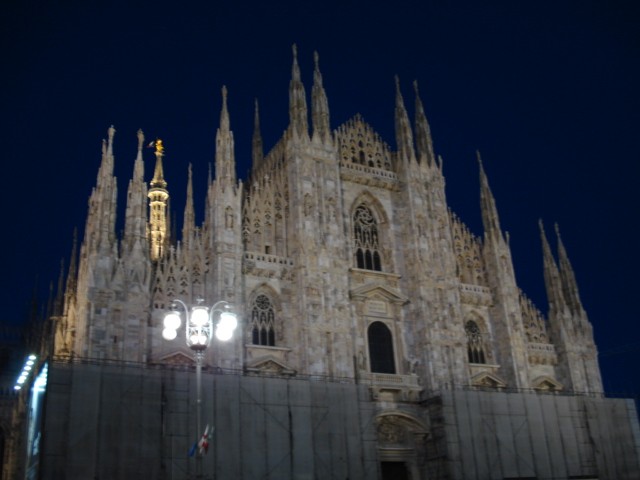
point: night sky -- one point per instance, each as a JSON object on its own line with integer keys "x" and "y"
{"x": 546, "y": 91}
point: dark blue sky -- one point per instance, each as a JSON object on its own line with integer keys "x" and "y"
{"x": 547, "y": 91}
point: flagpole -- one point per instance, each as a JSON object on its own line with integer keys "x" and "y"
{"x": 199, "y": 327}
{"x": 199, "y": 355}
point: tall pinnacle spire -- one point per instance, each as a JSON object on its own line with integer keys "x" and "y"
{"x": 225, "y": 157}
{"x": 257, "y": 152}
{"x": 102, "y": 217}
{"x": 158, "y": 200}
{"x": 139, "y": 166}
{"x": 106, "y": 165}
{"x": 297, "y": 101}
{"x": 224, "y": 113}
{"x": 319, "y": 105}
{"x": 158, "y": 174}
{"x": 111, "y": 133}
{"x": 189, "y": 224}
{"x": 567, "y": 277}
{"x": 551, "y": 275}
{"x": 490, "y": 219}
{"x": 424, "y": 143}
{"x": 135, "y": 227}
{"x": 404, "y": 136}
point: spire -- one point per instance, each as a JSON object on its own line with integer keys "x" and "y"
{"x": 158, "y": 174}
{"x": 72, "y": 274}
{"x": 104, "y": 199}
{"x": 158, "y": 201}
{"x": 106, "y": 165}
{"x": 319, "y": 105}
{"x": 297, "y": 100}
{"x": 59, "y": 298}
{"x": 135, "y": 227}
{"x": 551, "y": 275}
{"x": 189, "y": 216}
{"x": 225, "y": 159}
{"x": 490, "y": 219}
{"x": 111, "y": 132}
{"x": 404, "y": 137}
{"x": 257, "y": 152}
{"x": 567, "y": 277}
{"x": 224, "y": 113}
{"x": 138, "y": 169}
{"x": 424, "y": 143}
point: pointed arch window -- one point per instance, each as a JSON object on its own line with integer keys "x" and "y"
{"x": 475, "y": 345}
{"x": 263, "y": 322}
{"x": 366, "y": 239}
{"x": 381, "y": 348}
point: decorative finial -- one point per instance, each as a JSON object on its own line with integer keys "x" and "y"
{"x": 316, "y": 60}
{"x": 112, "y": 132}
{"x": 159, "y": 147}
{"x": 415, "y": 87}
{"x": 295, "y": 51}
{"x": 397, "y": 80}
{"x": 140, "y": 139}
{"x": 557, "y": 228}
{"x": 224, "y": 93}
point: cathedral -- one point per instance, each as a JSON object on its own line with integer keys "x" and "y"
{"x": 379, "y": 338}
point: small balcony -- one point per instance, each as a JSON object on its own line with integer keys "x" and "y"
{"x": 391, "y": 387}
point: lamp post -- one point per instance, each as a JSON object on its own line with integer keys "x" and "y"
{"x": 199, "y": 327}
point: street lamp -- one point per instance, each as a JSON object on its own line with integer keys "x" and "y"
{"x": 199, "y": 327}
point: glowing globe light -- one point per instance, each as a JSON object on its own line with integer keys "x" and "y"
{"x": 199, "y": 316}
{"x": 223, "y": 334}
{"x": 172, "y": 321}
{"x": 169, "y": 333}
{"x": 228, "y": 320}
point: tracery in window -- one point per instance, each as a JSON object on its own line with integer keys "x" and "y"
{"x": 262, "y": 322}
{"x": 365, "y": 236}
{"x": 381, "y": 348}
{"x": 475, "y": 345}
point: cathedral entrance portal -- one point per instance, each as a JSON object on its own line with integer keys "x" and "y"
{"x": 401, "y": 446}
{"x": 394, "y": 471}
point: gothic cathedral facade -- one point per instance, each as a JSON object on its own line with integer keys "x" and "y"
{"x": 344, "y": 262}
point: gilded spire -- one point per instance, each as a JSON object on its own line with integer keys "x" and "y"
{"x": 319, "y": 104}
{"x": 297, "y": 100}
{"x": 158, "y": 174}
{"x": 158, "y": 203}
{"x": 424, "y": 143}
{"x": 404, "y": 136}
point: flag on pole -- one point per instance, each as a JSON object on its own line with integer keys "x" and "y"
{"x": 203, "y": 444}
{"x": 192, "y": 450}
